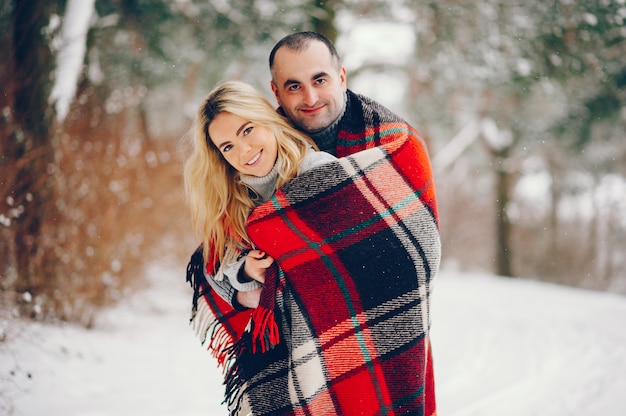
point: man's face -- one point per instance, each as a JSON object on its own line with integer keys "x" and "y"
{"x": 309, "y": 86}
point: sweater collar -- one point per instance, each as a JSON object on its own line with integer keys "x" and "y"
{"x": 262, "y": 186}
{"x": 326, "y": 139}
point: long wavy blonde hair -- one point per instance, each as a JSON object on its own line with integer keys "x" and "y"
{"x": 219, "y": 202}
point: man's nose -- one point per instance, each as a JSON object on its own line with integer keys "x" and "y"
{"x": 310, "y": 96}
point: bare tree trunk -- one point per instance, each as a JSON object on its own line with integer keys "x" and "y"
{"x": 28, "y": 144}
{"x": 324, "y": 23}
{"x": 556, "y": 194}
{"x": 503, "y": 226}
{"x": 144, "y": 124}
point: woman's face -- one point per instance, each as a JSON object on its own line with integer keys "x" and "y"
{"x": 248, "y": 147}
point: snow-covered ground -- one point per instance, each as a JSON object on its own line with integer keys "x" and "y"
{"x": 502, "y": 347}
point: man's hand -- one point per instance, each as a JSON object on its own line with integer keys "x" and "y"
{"x": 249, "y": 299}
{"x": 257, "y": 263}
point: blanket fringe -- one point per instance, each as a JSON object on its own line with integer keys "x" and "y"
{"x": 265, "y": 334}
{"x": 220, "y": 341}
{"x": 207, "y": 327}
{"x": 261, "y": 336}
{"x": 203, "y": 321}
{"x": 195, "y": 278}
{"x": 234, "y": 379}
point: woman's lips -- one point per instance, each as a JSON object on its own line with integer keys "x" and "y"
{"x": 254, "y": 159}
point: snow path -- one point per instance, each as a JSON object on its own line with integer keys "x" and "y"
{"x": 501, "y": 347}
{"x": 517, "y": 347}
{"x": 143, "y": 359}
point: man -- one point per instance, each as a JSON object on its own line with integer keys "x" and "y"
{"x": 309, "y": 84}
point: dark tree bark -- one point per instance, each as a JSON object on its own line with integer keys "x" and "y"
{"x": 324, "y": 22}
{"x": 7, "y": 163}
{"x": 27, "y": 147}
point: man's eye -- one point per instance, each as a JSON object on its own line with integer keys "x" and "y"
{"x": 293, "y": 88}
{"x": 247, "y": 131}
{"x": 320, "y": 81}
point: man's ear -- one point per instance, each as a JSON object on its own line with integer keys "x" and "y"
{"x": 275, "y": 91}
{"x": 343, "y": 77}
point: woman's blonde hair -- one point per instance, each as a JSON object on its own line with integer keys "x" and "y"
{"x": 219, "y": 202}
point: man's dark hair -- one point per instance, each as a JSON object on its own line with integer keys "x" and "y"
{"x": 300, "y": 40}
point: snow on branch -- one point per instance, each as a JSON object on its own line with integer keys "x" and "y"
{"x": 71, "y": 54}
{"x": 453, "y": 150}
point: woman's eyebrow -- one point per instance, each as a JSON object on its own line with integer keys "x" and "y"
{"x": 243, "y": 126}
{"x": 219, "y": 146}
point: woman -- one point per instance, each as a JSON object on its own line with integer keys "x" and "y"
{"x": 242, "y": 151}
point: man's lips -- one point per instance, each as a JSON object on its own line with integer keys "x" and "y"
{"x": 311, "y": 110}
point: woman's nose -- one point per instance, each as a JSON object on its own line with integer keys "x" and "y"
{"x": 245, "y": 149}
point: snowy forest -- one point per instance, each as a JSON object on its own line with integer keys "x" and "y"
{"x": 522, "y": 104}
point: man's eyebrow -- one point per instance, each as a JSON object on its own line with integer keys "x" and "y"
{"x": 319, "y": 75}
{"x": 290, "y": 82}
{"x": 313, "y": 78}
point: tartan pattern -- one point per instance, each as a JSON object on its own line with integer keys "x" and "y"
{"x": 358, "y": 245}
{"x": 358, "y": 250}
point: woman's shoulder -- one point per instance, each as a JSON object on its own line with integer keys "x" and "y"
{"x": 313, "y": 159}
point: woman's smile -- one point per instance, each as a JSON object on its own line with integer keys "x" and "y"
{"x": 254, "y": 159}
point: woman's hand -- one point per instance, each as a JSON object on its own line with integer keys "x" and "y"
{"x": 257, "y": 263}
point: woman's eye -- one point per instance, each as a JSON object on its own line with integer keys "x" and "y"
{"x": 227, "y": 148}
{"x": 247, "y": 130}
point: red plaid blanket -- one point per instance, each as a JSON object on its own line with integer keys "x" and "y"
{"x": 343, "y": 324}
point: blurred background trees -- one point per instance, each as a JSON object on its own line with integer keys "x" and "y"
{"x": 522, "y": 105}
